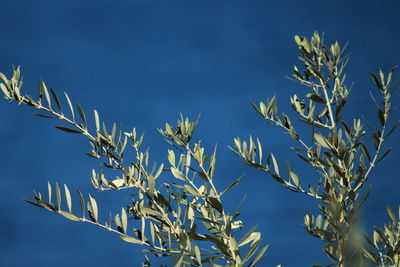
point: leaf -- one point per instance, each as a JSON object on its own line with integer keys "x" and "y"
{"x": 124, "y": 220}
{"x": 381, "y": 117}
{"x": 365, "y": 150}
{"x": 68, "y": 198}
{"x": 192, "y": 190}
{"x": 198, "y": 255}
{"x": 259, "y": 149}
{"x": 68, "y": 130}
{"x": 376, "y": 139}
{"x": 171, "y": 157}
{"x": 316, "y": 98}
{"x": 232, "y": 185}
{"x": 215, "y": 203}
{"x": 252, "y": 249}
{"x": 259, "y": 256}
{"x": 82, "y": 114}
{"x": 276, "y": 168}
{"x": 178, "y": 174}
{"x": 295, "y": 178}
{"x": 93, "y": 211}
{"x": 151, "y": 183}
{"x": 82, "y": 202}
{"x": 70, "y": 215}
{"x": 49, "y": 191}
{"x": 376, "y": 81}
{"x": 393, "y": 129}
{"x": 97, "y": 120}
{"x": 247, "y": 237}
{"x": 213, "y": 161}
{"x": 384, "y": 155}
{"x": 5, "y": 90}
{"x": 45, "y": 116}
{"x": 130, "y": 239}
{"x": 46, "y": 93}
{"x": 71, "y": 108}
{"x": 58, "y": 196}
{"x": 160, "y": 169}
{"x": 322, "y": 140}
{"x": 55, "y": 96}
{"x": 391, "y": 214}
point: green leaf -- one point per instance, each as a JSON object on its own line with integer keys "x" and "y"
{"x": 322, "y": 141}
{"x": 160, "y": 169}
{"x": 215, "y": 203}
{"x": 376, "y": 81}
{"x": 44, "y": 116}
{"x": 252, "y": 249}
{"x": 259, "y": 256}
{"x": 178, "y": 174}
{"x": 192, "y": 190}
{"x": 365, "y": 150}
{"x": 46, "y": 93}
{"x": 232, "y": 185}
{"x": 49, "y": 191}
{"x": 171, "y": 157}
{"x": 70, "y": 215}
{"x": 82, "y": 114}
{"x": 393, "y": 129}
{"x": 68, "y": 198}
{"x": 316, "y": 98}
{"x": 198, "y": 255}
{"x": 93, "y": 210}
{"x": 384, "y": 155}
{"x": 151, "y": 183}
{"x": 68, "y": 130}
{"x": 55, "y": 96}
{"x": 124, "y": 220}
{"x": 276, "y": 168}
{"x": 295, "y": 178}
{"x": 247, "y": 237}
{"x": 58, "y": 196}
{"x": 71, "y": 108}
{"x": 131, "y": 239}
{"x": 82, "y": 202}
{"x": 5, "y": 90}
{"x": 97, "y": 120}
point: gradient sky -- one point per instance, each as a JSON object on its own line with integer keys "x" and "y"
{"x": 141, "y": 63}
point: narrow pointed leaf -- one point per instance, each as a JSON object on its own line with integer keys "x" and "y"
{"x": 82, "y": 203}
{"x": 130, "y": 239}
{"x": 97, "y": 120}
{"x": 82, "y": 114}
{"x": 68, "y": 130}
{"x": 68, "y": 198}
{"x": 71, "y": 108}
{"x": 94, "y": 209}
{"x": 124, "y": 220}
{"x": 58, "y": 196}
{"x": 55, "y": 96}
{"x": 69, "y": 215}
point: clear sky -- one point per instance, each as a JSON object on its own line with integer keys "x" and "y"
{"x": 141, "y": 63}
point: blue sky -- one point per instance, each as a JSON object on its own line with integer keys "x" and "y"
{"x": 141, "y": 63}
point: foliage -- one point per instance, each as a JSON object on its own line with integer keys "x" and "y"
{"x": 337, "y": 151}
{"x": 186, "y": 218}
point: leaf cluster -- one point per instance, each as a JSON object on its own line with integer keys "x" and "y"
{"x": 184, "y": 219}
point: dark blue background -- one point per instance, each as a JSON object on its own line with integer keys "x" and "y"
{"x": 141, "y": 63}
